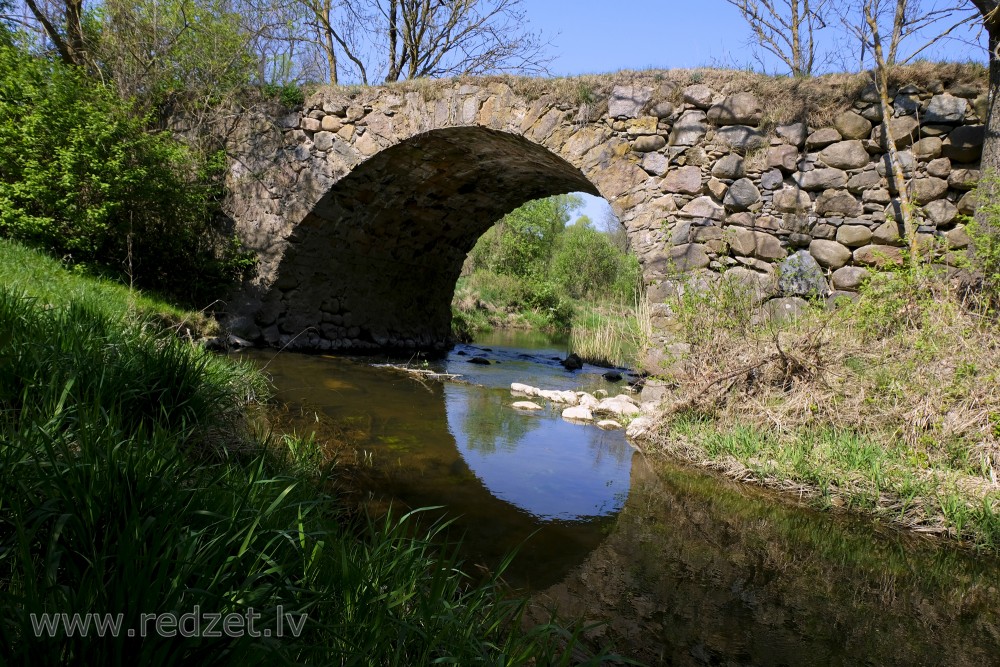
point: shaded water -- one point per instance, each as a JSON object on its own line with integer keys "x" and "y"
{"x": 682, "y": 567}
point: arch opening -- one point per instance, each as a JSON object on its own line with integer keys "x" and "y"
{"x": 375, "y": 263}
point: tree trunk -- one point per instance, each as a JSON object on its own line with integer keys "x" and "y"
{"x": 989, "y": 188}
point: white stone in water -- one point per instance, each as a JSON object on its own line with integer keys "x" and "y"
{"x": 519, "y": 388}
{"x": 559, "y": 396}
{"x": 639, "y": 427}
{"x": 618, "y": 406}
{"x": 578, "y": 413}
{"x": 608, "y": 424}
{"x": 588, "y": 401}
{"x": 526, "y": 405}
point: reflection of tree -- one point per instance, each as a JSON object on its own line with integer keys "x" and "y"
{"x": 490, "y": 424}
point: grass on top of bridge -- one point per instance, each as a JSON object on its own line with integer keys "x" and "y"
{"x": 790, "y": 99}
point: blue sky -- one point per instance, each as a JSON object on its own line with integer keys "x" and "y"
{"x": 592, "y": 36}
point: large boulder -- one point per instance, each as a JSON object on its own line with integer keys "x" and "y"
{"x": 845, "y": 155}
{"x": 852, "y": 125}
{"x": 801, "y": 275}
{"x": 830, "y": 254}
{"x": 741, "y": 195}
{"x": 689, "y": 129}
{"x": 738, "y": 109}
{"x": 945, "y": 109}
{"x": 628, "y": 101}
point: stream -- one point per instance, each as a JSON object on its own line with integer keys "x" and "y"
{"x": 675, "y": 565}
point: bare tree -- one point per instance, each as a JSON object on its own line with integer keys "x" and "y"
{"x": 409, "y": 39}
{"x": 786, "y": 29}
{"x": 907, "y": 27}
{"x": 886, "y": 30}
{"x": 881, "y": 75}
{"x": 989, "y": 12}
{"x": 62, "y": 23}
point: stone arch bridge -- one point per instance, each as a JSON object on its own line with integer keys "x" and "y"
{"x": 363, "y": 204}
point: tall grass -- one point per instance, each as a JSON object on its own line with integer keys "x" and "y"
{"x": 131, "y": 483}
{"x": 612, "y": 335}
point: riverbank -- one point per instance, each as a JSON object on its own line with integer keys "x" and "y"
{"x": 886, "y": 405}
{"x": 137, "y": 480}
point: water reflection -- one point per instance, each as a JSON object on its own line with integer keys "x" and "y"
{"x": 562, "y": 471}
{"x": 681, "y": 567}
{"x": 508, "y": 476}
{"x": 700, "y": 571}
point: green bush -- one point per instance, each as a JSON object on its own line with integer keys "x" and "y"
{"x": 82, "y": 178}
{"x": 586, "y": 264}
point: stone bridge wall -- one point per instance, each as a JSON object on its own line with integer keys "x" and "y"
{"x": 363, "y": 204}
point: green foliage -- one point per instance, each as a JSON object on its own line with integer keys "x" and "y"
{"x": 586, "y": 264}
{"x": 288, "y": 94}
{"x": 171, "y": 55}
{"x": 522, "y": 243}
{"x": 532, "y": 264}
{"x": 82, "y": 178}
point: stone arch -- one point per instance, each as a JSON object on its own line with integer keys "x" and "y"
{"x": 374, "y": 263}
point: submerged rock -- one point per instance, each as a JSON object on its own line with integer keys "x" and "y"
{"x": 612, "y": 376}
{"x": 608, "y": 425}
{"x": 526, "y": 405}
{"x": 572, "y": 363}
{"x": 482, "y": 361}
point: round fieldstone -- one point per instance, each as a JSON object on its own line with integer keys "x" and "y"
{"x": 791, "y": 200}
{"x": 822, "y": 138}
{"x": 964, "y": 143}
{"x": 879, "y": 256}
{"x": 729, "y": 167}
{"x": 829, "y": 254}
{"x": 852, "y": 125}
{"x": 924, "y": 190}
{"x": 940, "y": 212}
{"x": 845, "y": 155}
{"x": 648, "y": 143}
{"x": 849, "y": 278}
{"x": 821, "y": 179}
{"x": 771, "y": 179}
{"x": 741, "y": 195}
{"x": 854, "y": 235}
{"x": 838, "y": 202}
{"x": 889, "y": 232}
{"x": 928, "y": 148}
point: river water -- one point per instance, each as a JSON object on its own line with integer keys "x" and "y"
{"x": 678, "y": 566}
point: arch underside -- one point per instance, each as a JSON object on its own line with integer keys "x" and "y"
{"x": 374, "y": 265}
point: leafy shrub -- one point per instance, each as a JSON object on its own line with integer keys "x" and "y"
{"x": 82, "y": 178}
